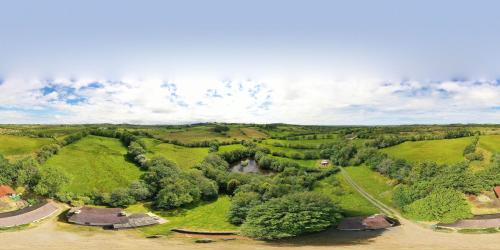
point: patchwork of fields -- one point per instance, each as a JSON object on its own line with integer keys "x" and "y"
{"x": 94, "y": 164}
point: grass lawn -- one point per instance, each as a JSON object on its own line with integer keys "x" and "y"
{"x": 184, "y": 157}
{"x": 15, "y": 147}
{"x": 447, "y": 151}
{"x": 351, "y": 202}
{"x": 287, "y": 151}
{"x": 94, "y": 163}
{"x": 372, "y": 182}
{"x": 205, "y": 216}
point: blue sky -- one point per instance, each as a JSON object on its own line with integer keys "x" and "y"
{"x": 307, "y": 62}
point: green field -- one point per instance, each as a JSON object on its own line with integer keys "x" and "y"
{"x": 372, "y": 182}
{"x": 490, "y": 143}
{"x": 15, "y": 147}
{"x": 94, "y": 163}
{"x": 292, "y": 143}
{"x": 205, "y": 133}
{"x": 447, "y": 151}
{"x": 231, "y": 147}
{"x": 349, "y": 199}
{"x": 205, "y": 216}
{"x": 182, "y": 156}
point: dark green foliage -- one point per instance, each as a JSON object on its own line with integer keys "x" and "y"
{"x": 47, "y": 151}
{"x": 339, "y": 153}
{"x": 443, "y": 205}
{"x": 121, "y": 197}
{"x": 50, "y": 182}
{"x": 139, "y": 190}
{"x": 220, "y": 129}
{"x": 26, "y": 172}
{"x": 291, "y": 215}
{"x": 241, "y": 203}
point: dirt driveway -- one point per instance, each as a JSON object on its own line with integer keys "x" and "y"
{"x": 55, "y": 235}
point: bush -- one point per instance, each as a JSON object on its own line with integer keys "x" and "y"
{"x": 443, "y": 205}
{"x": 291, "y": 215}
{"x": 241, "y": 203}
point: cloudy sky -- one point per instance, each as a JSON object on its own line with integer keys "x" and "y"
{"x": 302, "y": 62}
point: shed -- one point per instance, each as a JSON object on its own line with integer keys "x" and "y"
{"x": 497, "y": 191}
{"x": 325, "y": 163}
{"x": 6, "y": 191}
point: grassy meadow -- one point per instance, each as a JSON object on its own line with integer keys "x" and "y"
{"x": 490, "y": 143}
{"x": 184, "y": 157}
{"x": 448, "y": 151}
{"x": 204, "y": 216}
{"x": 373, "y": 183}
{"x": 15, "y": 147}
{"x": 345, "y": 196}
{"x": 94, "y": 163}
{"x": 205, "y": 133}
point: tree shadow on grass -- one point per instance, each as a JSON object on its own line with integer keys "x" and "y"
{"x": 330, "y": 237}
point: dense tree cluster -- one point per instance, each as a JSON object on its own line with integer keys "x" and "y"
{"x": 26, "y": 173}
{"x": 291, "y": 215}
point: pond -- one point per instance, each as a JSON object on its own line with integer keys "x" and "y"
{"x": 247, "y": 166}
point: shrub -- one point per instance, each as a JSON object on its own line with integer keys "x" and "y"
{"x": 291, "y": 215}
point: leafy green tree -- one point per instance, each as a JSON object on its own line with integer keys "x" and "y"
{"x": 27, "y": 173}
{"x": 443, "y": 205}
{"x": 51, "y": 181}
{"x": 176, "y": 193}
{"x": 241, "y": 203}
{"x": 121, "y": 197}
{"x": 139, "y": 190}
{"x": 291, "y": 215}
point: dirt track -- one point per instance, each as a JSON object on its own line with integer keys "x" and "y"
{"x": 52, "y": 235}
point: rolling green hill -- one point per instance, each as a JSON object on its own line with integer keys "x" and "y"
{"x": 95, "y": 163}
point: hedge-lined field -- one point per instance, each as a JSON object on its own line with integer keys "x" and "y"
{"x": 447, "y": 151}
{"x": 94, "y": 163}
{"x": 15, "y": 147}
{"x": 184, "y": 157}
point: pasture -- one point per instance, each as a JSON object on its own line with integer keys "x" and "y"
{"x": 94, "y": 164}
{"x": 205, "y": 133}
{"x": 351, "y": 202}
{"x": 373, "y": 183}
{"x": 210, "y": 216}
{"x": 15, "y": 147}
{"x": 490, "y": 143}
{"x": 448, "y": 151}
{"x": 184, "y": 157}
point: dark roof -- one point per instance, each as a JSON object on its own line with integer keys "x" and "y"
{"x": 137, "y": 220}
{"x": 97, "y": 216}
{"x": 377, "y": 221}
{"x": 6, "y": 190}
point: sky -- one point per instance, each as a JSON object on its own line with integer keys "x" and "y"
{"x": 301, "y": 62}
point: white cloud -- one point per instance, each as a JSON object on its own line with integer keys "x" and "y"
{"x": 314, "y": 100}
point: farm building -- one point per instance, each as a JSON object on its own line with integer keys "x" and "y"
{"x": 110, "y": 218}
{"x": 497, "y": 191}
{"x": 325, "y": 163}
{"x": 377, "y": 221}
{"x": 6, "y": 191}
